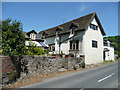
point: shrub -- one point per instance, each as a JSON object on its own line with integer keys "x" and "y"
{"x": 71, "y": 54}
{"x": 33, "y": 50}
{"x": 82, "y": 65}
{"x": 109, "y": 61}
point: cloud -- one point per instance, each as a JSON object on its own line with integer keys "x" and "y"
{"x": 82, "y": 7}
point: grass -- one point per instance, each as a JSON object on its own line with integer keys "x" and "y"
{"x": 109, "y": 61}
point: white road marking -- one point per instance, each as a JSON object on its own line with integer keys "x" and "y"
{"x": 106, "y": 77}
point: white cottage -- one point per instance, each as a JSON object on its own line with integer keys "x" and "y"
{"x": 80, "y": 37}
{"x": 108, "y": 50}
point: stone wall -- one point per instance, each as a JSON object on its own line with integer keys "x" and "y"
{"x": 44, "y": 65}
{"x": 21, "y": 66}
{"x": 7, "y": 69}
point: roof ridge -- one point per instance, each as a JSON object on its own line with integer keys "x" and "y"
{"x": 82, "y": 21}
{"x": 69, "y": 21}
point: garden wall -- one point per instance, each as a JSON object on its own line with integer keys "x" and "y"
{"x": 6, "y": 69}
{"x": 21, "y": 66}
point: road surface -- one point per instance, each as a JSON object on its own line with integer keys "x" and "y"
{"x": 101, "y": 77}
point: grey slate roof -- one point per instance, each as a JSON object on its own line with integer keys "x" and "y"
{"x": 27, "y": 34}
{"x": 82, "y": 23}
{"x": 32, "y": 31}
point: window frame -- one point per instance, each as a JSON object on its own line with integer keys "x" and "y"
{"x": 33, "y": 36}
{"x": 74, "y": 45}
{"x": 93, "y": 26}
{"x": 94, "y": 44}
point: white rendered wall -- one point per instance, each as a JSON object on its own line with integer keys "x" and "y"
{"x": 57, "y": 45}
{"x": 80, "y": 35}
{"x": 93, "y": 55}
{"x": 65, "y": 45}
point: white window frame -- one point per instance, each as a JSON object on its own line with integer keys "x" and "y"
{"x": 74, "y": 45}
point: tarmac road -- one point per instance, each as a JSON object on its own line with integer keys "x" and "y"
{"x": 101, "y": 77}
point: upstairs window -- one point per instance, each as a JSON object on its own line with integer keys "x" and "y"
{"x": 58, "y": 30}
{"x": 44, "y": 35}
{"x": 94, "y": 44}
{"x": 94, "y": 27}
{"x": 33, "y": 36}
{"x": 74, "y": 45}
{"x": 73, "y": 28}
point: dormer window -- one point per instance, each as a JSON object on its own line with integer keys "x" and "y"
{"x": 94, "y": 27}
{"x": 73, "y": 28}
{"x": 58, "y": 30}
{"x": 33, "y": 36}
{"x": 44, "y": 35}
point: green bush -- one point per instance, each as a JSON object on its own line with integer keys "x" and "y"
{"x": 109, "y": 61}
{"x": 82, "y": 65}
{"x": 33, "y": 50}
{"x": 46, "y": 51}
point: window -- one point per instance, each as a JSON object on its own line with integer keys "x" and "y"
{"x": 58, "y": 30}
{"x": 77, "y": 45}
{"x": 72, "y": 30}
{"x": 74, "y": 45}
{"x": 94, "y": 27}
{"x": 52, "y": 47}
{"x": 94, "y": 44}
{"x": 32, "y": 36}
{"x": 44, "y": 35}
{"x": 105, "y": 44}
{"x": 70, "y": 45}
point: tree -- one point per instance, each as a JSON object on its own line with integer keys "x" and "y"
{"x": 13, "y": 39}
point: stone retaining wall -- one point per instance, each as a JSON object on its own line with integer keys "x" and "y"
{"x": 21, "y": 66}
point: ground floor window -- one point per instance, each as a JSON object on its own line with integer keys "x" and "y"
{"x": 52, "y": 47}
{"x": 74, "y": 45}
